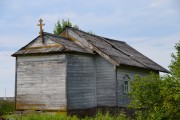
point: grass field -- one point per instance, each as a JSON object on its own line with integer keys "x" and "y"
{"x": 7, "y": 109}
{"x": 45, "y": 116}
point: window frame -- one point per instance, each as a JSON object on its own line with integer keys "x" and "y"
{"x": 126, "y": 84}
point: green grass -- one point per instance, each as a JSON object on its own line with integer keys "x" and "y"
{"x": 41, "y": 116}
{"x": 6, "y": 107}
{"x": 45, "y": 116}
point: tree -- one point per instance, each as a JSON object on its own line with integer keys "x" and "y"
{"x": 158, "y": 96}
{"x": 60, "y": 25}
{"x": 171, "y": 87}
{"x": 175, "y": 63}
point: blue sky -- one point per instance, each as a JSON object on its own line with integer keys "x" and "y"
{"x": 150, "y": 26}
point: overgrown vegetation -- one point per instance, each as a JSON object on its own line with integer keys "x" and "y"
{"x": 158, "y": 98}
{"x": 6, "y": 107}
{"x": 60, "y": 26}
{"x": 99, "y": 116}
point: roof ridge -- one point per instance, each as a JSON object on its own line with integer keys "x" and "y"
{"x": 95, "y": 35}
{"x": 109, "y": 39}
{"x": 116, "y": 47}
{"x": 46, "y": 33}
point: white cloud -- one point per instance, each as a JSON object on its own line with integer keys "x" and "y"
{"x": 158, "y": 3}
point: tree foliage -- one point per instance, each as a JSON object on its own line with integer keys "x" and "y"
{"x": 158, "y": 98}
{"x": 175, "y": 63}
{"x": 60, "y": 25}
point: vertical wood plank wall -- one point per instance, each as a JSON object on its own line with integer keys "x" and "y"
{"x": 81, "y": 82}
{"x": 41, "y": 82}
{"x": 122, "y": 98}
{"x": 70, "y": 81}
{"x": 106, "y": 82}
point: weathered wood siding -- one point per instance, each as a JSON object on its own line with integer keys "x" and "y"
{"x": 88, "y": 45}
{"x": 106, "y": 82}
{"x": 122, "y": 98}
{"x": 41, "y": 82}
{"x": 38, "y": 43}
{"x": 81, "y": 82}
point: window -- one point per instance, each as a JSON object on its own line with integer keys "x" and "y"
{"x": 126, "y": 83}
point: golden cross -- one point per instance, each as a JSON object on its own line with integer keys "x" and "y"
{"x": 41, "y": 30}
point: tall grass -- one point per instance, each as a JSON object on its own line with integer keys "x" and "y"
{"x": 45, "y": 116}
{"x": 6, "y": 107}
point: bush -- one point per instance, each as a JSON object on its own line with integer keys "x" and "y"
{"x": 158, "y": 98}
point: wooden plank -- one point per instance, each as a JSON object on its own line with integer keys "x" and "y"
{"x": 41, "y": 82}
{"x": 81, "y": 82}
{"x": 105, "y": 80}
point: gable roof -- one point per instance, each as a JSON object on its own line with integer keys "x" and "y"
{"x": 118, "y": 51}
{"x": 65, "y": 45}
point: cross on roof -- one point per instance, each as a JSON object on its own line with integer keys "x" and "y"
{"x": 41, "y": 24}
